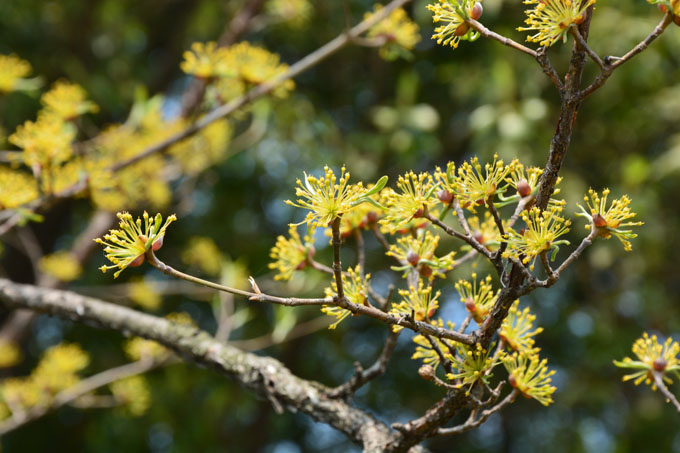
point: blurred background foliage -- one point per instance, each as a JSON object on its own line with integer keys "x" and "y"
{"x": 378, "y": 117}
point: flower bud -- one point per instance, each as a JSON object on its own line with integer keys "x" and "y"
{"x": 523, "y": 188}
{"x": 301, "y": 266}
{"x": 599, "y": 221}
{"x": 426, "y": 271}
{"x": 426, "y": 372}
{"x": 478, "y": 236}
{"x": 419, "y": 213}
{"x": 470, "y": 305}
{"x": 445, "y": 196}
{"x": 663, "y": 8}
{"x": 413, "y": 258}
{"x": 579, "y": 20}
{"x": 158, "y": 243}
{"x": 462, "y": 29}
{"x": 431, "y": 312}
{"x": 676, "y": 20}
{"x": 372, "y": 217}
{"x": 659, "y": 364}
{"x": 137, "y": 261}
{"x": 512, "y": 381}
{"x": 477, "y": 11}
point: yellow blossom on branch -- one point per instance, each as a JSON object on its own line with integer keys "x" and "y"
{"x": 204, "y": 60}
{"x": 290, "y": 254}
{"x": 478, "y": 298}
{"x": 13, "y": 72}
{"x": 552, "y": 19}
{"x": 529, "y": 374}
{"x": 454, "y": 14}
{"x": 653, "y": 357}
{"x": 400, "y": 33}
{"x": 516, "y": 330}
{"x": 477, "y": 185}
{"x": 418, "y": 252}
{"x": 417, "y": 302}
{"x": 609, "y": 221}
{"x": 61, "y": 265}
{"x": 134, "y": 393}
{"x": 126, "y": 246}
{"x": 356, "y": 291}
{"x": 16, "y": 188}
{"x": 67, "y": 101}
{"x": 473, "y": 364}
{"x": 410, "y": 201}
{"x": 46, "y": 142}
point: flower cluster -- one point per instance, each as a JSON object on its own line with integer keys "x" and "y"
{"x": 418, "y": 302}
{"x": 133, "y": 393}
{"x": 61, "y": 265}
{"x": 128, "y": 245}
{"x": 609, "y": 221}
{"x": 13, "y": 72}
{"x": 476, "y": 185}
{"x": 400, "y": 33}
{"x": 552, "y": 19}
{"x": 410, "y": 201}
{"x": 473, "y": 364}
{"x": 478, "y": 298}
{"x": 16, "y": 188}
{"x": 529, "y": 374}
{"x": 202, "y": 253}
{"x": 67, "y": 101}
{"x": 295, "y": 13}
{"x": 418, "y": 253}
{"x": 654, "y": 357}
{"x": 516, "y": 330}
{"x": 540, "y": 234}
{"x": 454, "y": 15}
{"x": 356, "y": 291}
{"x": 425, "y": 350}
{"x": 290, "y": 254}
{"x": 485, "y": 231}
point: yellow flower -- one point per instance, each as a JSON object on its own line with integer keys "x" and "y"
{"x": 204, "y": 60}
{"x": 473, "y": 364}
{"x": 133, "y": 392}
{"x": 204, "y": 149}
{"x": 609, "y": 221}
{"x": 13, "y": 72}
{"x": 16, "y": 188}
{"x": 326, "y": 198}
{"x": 144, "y": 294}
{"x": 127, "y": 246}
{"x": 446, "y": 183}
{"x": 485, "y": 231}
{"x": 182, "y": 318}
{"x": 46, "y": 142}
{"x": 203, "y": 253}
{"x": 540, "y": 234}
{"x": 478, "y": 299}
{"x": 525, "y": 180}
{"x": 552, "y": 19}
{"x": 418, "y": 252}
{"x": 67, "y": 101}
{"x": 477, "y": 186}
{"x": 356, "y": 291}
{"x": 138, "y": 348}
{"x": 58, "y": 367}
{"x": 529, "y": 374}
{"x": 293, "y": 12}
{"x": 653, "y": 357}
{"x": 401, "y": 34}
{"x": 516, "y": 330}
{"x": 291, "y": 254}
{"x": 61, "y": 265}
{"x": 453, "y": 13}
{"x": 417, "y": 302}
{"x": 411, "y": 201}
{"x": 10, "y": 354}
{"x": 425, "y": 351}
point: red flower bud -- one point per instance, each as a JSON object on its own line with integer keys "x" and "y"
{"x": 478, "y": 236}
{"x": 477, "y": 11}
{"x": 662, "y": 8}
{"x": 659, "y": 364}
{"x": 372, "y": 217}
{"x": 158, "y": 243}
{"x": 512, "y": 380}
{"x": 431, "y": 312}
{"x": 419, "y": 213}
{"x": 137, "y": 261}
{"x": 676, "y": 20}
{"x": 523, "y": 188}
{"x": 413, "y": 258}
{"x": 301, "y": 266}
{"x": 426, "y": 271}
{"x": 599, "y": 221}
{"x": 426, "y": 372}
{"x": 462, "y": 29}
{"x": 470, "y": 305}
{"x": 445, "y": 196}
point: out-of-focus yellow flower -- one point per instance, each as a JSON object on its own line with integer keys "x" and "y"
{"x": 61, "y": 265}
{"x": 138, "y": 348}
{"x": 58, "y": 367}
{"x": 356, "y": 291}
{"x": 516, "y": 330}
{"x": 182, "y": 318}
{"x": 327, "y": 198}
{"x": 290, "y": 254}
{"x": 529, "y": 374}
{"x": 204, "y": 149}
{"x": 540, "y": 234}
{"x": 16, "y": 188}
{"x": 653, "y": 357}
{"x": 10, "y": 354}
{"x": 552, "y": 19}
{"x": 67, "y": 101}
{"x": 134, "y": 393}
{"x": 473, "y": 364}
{"x": 46, "y": 142}
{"x": 144, "y": 294}
{"x": 204, "y": 60}
{"x": 478, "y": 298}
{"x": 401, "y": 34}
{"x": 255, "y": 65}
{"x": 13, "y": 72}
{"x": 295, "y": 13}
{"x": 127, "y": 246}
{"x": 203, "y": 253}
{"x": 411, "y": 201}
{"x": 453, "y": 14}
{"x": 22, "y": 393}
{"x": 417, "y": 301}
{"x": 609, "y": 221}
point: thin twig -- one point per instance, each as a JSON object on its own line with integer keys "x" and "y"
{"x": 591, "y": 53}
{"x": 502, "y": 39}
{"x": 471, "y": 423}
{"x": 658, "y": 379}
{"x": 337, "y": 265}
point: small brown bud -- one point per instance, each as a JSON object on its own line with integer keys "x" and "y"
{"x": 413, "y": 258}
{"x": 579, "y": 20}
{"x": 372, "y": 217}
{"x": 470, "y": 305}
{"x": 477, "y": 11}
{"x": 426, "y": 271}
{"x": 158, "y": 243}
{"x": 659, "y": 364}
{"x": 478, "y": 236}
{"x": 599, "y": 221}
{"x": 431, "y": 312}
{"x": 462, "y": 29}
{"x": 676, "y": 20}
{"x": 426, "y": 372}
{"x": 662, "y": 8}
{"x": 419, "y": 213}
{"x": 420, "y": 315}
{"x": 445, "y": 196}
{"x": 512, "y": 380}
{"x": 523, "y": 188}
{"x": 137, "y": 261}
{"x": 301, "y": 266}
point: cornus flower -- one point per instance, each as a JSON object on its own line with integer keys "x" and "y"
{"x": 13, "y": 72}
{"x": 478, "y": 298}
{"x": 399, "y": 31}
{"x": 653, "y": 357}
{"x": 16, "y": 188}
{"x": 61, "y": 265}
{"x": 355, "y": 290}
{"x": 294, "y": 12}
{"x": 46, "y": 142}
{"x": 204, "y": 60}
{"x": 418, "y": 252}
{"x": 453, "y": 14}
{"x": 418, "y": 302}
{"x": 127, "y": 246}
{"x": 551, "y": 19}
{"x": 327, "y": 198}
{"x": 525, "y": 180}
{"x": 409, "y": 202}
{"x": 540, "y": 234}
{"x": 446, "y": 180}
{"x": 67, "y": 101}
{"x": 609, "y": 221}
{"x": 516, "y": 330}
{"x": 476, "y": 185}
{"x": 485, "y": 231}
{"x": 290, "y": 254}
{"x": 529, "y": 374}
{"x": 472, "y": 364}
{"x": 425, "y": 351}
